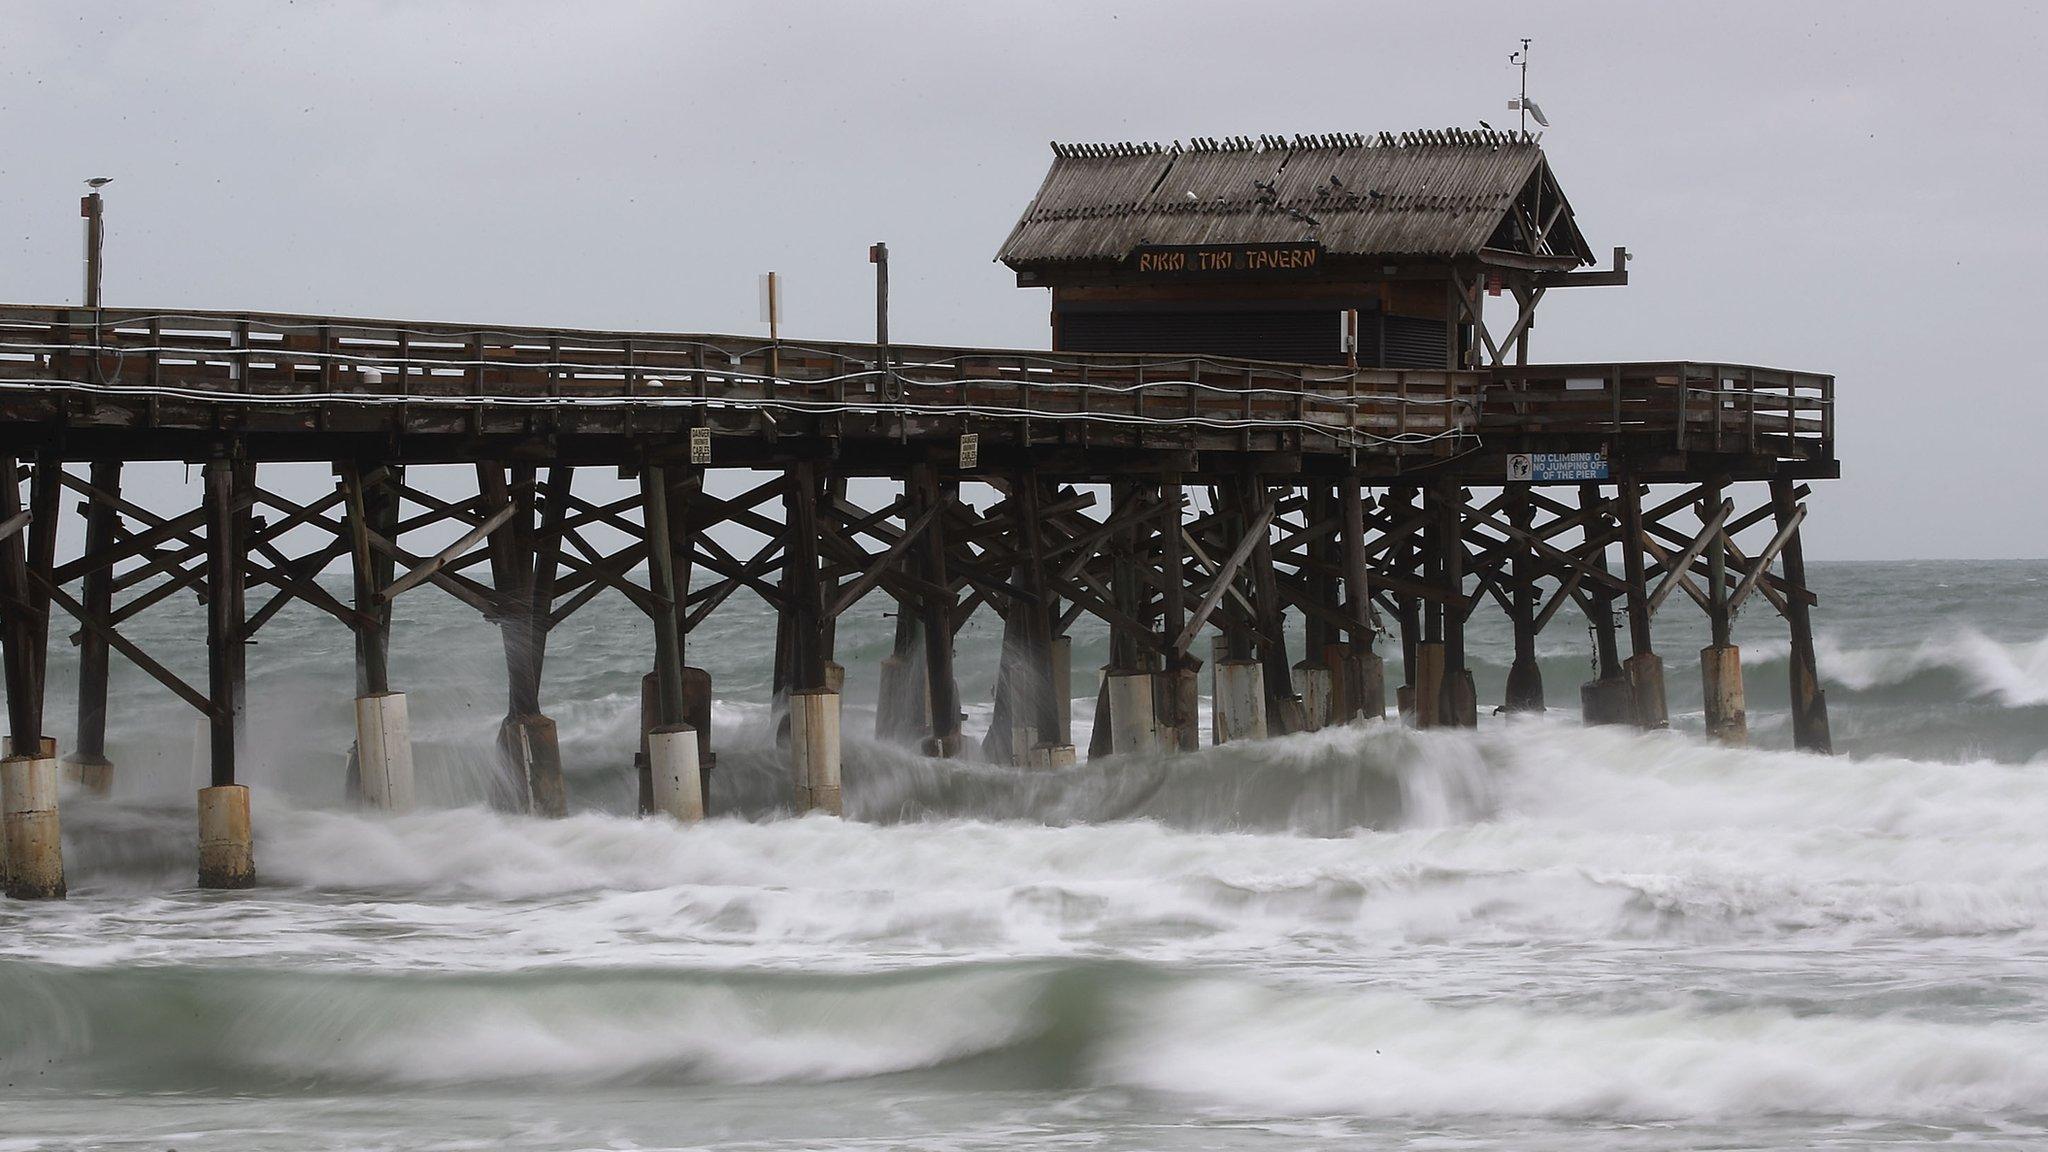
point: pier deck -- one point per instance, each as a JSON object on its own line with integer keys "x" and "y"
{"x": 1288, "y": 509}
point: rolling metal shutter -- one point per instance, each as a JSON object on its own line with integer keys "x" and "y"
{"x": 1295, "y": 337}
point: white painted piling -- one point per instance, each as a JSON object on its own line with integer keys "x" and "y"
{"x": 678, "y": 782}
{"x": 384, "y": 751}
{"x": 226, "y": 854}
{"x": 1646, "y": 680}
{"x": 1316, "y": 684}
{"x": 1721, "y": 681}
{"x": 28, "y": 812}
{"x": 1133, "y": 718}
{"x": 1239, "y": 687}
{"x": 814, "y": 751}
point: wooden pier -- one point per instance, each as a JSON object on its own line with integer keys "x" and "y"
{"x": 1311, "y": 517}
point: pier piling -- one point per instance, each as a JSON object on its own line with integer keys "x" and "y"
{"x": 226, "y": 853}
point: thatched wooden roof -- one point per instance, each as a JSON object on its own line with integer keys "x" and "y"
{"x": 1444, "y": 194}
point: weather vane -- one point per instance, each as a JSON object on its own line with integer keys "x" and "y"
{"x": 1522, "y": 103}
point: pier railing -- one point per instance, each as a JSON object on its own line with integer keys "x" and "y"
{"x": 182, "y": 369}
{"x": 1733, "y": 408}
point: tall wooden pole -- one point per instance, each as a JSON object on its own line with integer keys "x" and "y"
{"x": 95, "y": 238}
{"x": 668, "y": 643}
{"x": 943, "y": 692}
{"x": 22, "y": 665}
{"x": 807, "y": 655}
{"x": 1525, "y": 675}
{"x": 1283, "y": 708}
{"x": 1809, "y": 704}
{"x": 225, "y": 569}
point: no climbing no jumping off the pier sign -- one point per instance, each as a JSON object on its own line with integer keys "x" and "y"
{"x": 1552, "y": 467}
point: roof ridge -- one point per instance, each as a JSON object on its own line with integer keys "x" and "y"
{"x": 1451, "y": 137}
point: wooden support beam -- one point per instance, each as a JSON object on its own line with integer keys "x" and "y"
{"x": 98, "y": 626}
{"x": 425, "y": 570}
{"x": 1788, "y": 527}
{"x": 1226, "y": 573}
{"x": 1675, "y": 571}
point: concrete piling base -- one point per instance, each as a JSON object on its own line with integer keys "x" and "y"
{"x": 814, "y": 751}
{"x": 226, "y": 855}
{"x": 535, "y": 756}
{"x": 1462, "y": 702}
{"x": 33, "y": 851}
{"x": 1176, "y": 698}
{"x": 903, "y": 705}
{"x": 672, "y": 762}
{"x": 1133, "y": 716}
{"x": 1240, "y": 691}
{"x": 1050, "y": 756}
{"x": 1316, "y": 684}
{"x": 1525, "y": 686}
{"x": 1646, "y": 681}
{"x": 1367, "y": 672}
{"x": 1428, "y": 708}
{"x": 94, "y": 775}
{"x": 1721, "y": 680}
{"x": 384, "y": 752}
{"x": 1609, "y": 701}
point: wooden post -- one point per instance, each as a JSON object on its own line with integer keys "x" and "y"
{"x": 88, "y": 756}
{"x": 1410, "y": 562}
{"x": 1179, "y": 689}
{"x": 1315, "y": 674}
{"x": 668, "y": 644}
{"x": 807, "y": 654}
{"x": 522, "y": 575}
{"x": 1727, "y": 717}
{"x": 24, "y": 633}
{"x": 1645, "y": 670}
{"x": 1607, "y": 698}
{"x": 224, "y": 838}
{"x": 31, "y": 846}
{"x": 1365, "y": 673}
{"x": 1033, "y": 713}
{"x": 1432, "y": 707}
{"x": 671, "y": 710}
{"x": 1809, "y": 704}
{"x": 369, "y": 509}
{"x": 1283, "y": 708}
{"x": 1460, "y": 703}
{"x": 937, "y": 626}
{"x": 226, "y": 568}
{"x": 1525, "y": 675}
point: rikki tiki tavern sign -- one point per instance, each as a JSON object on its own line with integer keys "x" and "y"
{"x": 1225, "y": 259}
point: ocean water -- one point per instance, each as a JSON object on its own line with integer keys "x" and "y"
{"x": 1530, "y": 936}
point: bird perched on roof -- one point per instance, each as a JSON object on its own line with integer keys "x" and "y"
{"x": 99, "y": 182}
{"x": 1304, "y": 217}
{"x": 1485, "y": 125}
{"x": 1336, "y": 181}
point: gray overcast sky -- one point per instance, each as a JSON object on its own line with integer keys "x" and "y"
{"x": 1851, "y": 188}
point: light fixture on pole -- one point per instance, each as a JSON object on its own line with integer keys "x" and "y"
{"x": 89, "y": 207}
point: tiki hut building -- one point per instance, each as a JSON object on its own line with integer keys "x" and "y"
{"x": 1314, "y": 249}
